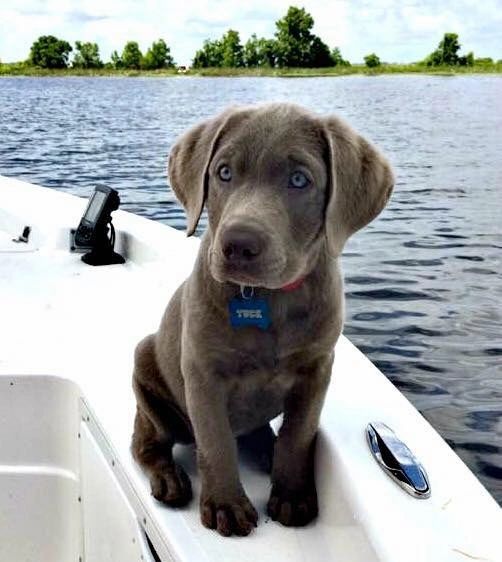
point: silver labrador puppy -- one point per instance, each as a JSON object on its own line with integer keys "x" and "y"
{"x": 250, "y": 333}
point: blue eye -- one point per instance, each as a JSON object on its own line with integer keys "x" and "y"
{"x": 225, "y": 173}
{"x": 298, "y": 180}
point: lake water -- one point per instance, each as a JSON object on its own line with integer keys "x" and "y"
{"x": 423, "y": 282}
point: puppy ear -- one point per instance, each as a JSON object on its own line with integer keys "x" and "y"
{"x": 361, "y": 181}
{"x": 188, "y": 165}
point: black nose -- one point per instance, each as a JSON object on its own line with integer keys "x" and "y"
{"x": 241, "y": 244}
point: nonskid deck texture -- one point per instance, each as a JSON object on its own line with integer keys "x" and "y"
{"x": 64, "y": 318}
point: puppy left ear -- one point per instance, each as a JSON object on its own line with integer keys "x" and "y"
{"x": 361, "y": 181}
{"x": 188, "y": 163}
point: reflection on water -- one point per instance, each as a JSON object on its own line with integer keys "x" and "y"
{"x": 424, "y": 281}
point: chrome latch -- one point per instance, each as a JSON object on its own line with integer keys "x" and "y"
{"x": 397, "y": 461}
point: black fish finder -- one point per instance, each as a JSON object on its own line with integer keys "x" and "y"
{"x": 95, "y": 231}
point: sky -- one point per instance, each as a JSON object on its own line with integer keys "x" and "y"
{"x": 396, "y": 30}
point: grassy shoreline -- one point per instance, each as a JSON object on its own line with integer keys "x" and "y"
{"x": 20, "y": 69}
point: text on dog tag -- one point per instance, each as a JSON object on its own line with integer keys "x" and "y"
{"x": 249, "y": 312}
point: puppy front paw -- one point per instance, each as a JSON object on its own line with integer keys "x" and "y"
{"x": 229, "y": 517}
{"x": 293, "y": 507}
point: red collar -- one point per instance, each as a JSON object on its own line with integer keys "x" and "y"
{"x": 293, "y": 286}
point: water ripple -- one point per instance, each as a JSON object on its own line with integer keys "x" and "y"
{"x": 392, "y": 295}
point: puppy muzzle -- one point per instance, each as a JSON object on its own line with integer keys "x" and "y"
{"x": 242, "y": 254}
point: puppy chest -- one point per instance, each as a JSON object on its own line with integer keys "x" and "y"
{"x": 255, "y": 399}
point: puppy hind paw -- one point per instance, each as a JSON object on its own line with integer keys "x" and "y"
{"x": 237, "y": 517}
{"x": 172, "y": 487}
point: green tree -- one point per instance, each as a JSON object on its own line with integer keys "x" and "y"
{"x": 227, "y": 52}
{"x": 296, "y": 46}
{"x": 158, "y": 56}
{"x": 211, "y": 55}
{"x": 250, "y": 52}
{"x": 338, "y": 60}
{"x": 467, "y": 60}
{"x": 293, "y": 37}
{"x": 449, "y": 48}
{"x": 434, "y": 59}
{"x": 267, "y": 52}
{"x": 131, "y": 55}
{"x": 259, "y": 52}
{"x": 116, "y": 60}
{"x": 447, "y": 53}
{"x": 372, "y": 60}
{"x": 320, "y": 56}
{"x": 231, "y": 49}
{"x": 50, "y": 52}
{"x": 86, "y": 55}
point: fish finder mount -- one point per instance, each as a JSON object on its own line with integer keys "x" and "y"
{"x": 95, "y": 231}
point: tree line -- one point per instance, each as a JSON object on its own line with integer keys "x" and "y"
{"x": 293, "y": 46}
{"x": 50, "y": 52}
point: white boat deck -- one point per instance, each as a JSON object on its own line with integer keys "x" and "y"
{"x": 63, "y": 318}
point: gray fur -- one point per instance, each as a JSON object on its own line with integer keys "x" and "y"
{"x": 199, "y": 378}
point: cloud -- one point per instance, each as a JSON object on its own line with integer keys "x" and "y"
{"x": 83, "y": 17}
{"x": 199, "y": 22}
{"x": 39, "y": 12}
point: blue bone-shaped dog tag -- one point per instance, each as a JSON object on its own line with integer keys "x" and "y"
{"x": 249, "y": 312}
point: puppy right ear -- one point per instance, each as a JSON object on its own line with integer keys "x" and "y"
{"x": 188, "y": 165}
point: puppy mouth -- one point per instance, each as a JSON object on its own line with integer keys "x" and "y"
{"x": 243, "y": 280}
{"x": 250, "y": 276}
{"x": 257, "y": 274}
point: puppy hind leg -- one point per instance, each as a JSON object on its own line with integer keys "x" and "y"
{"x": 169, "y": 482}
{"x": 155, "y": 433}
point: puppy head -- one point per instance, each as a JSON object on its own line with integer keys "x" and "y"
{"x": 279, "y": 183}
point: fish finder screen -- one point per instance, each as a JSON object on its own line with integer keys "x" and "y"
{"x": 95, "y": 206}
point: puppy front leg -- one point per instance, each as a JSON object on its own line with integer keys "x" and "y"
{"x": 224, "y": 505}
{"x": 293, "y": 498}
